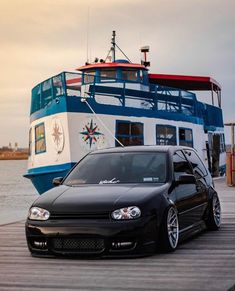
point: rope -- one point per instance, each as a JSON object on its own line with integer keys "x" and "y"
{"x": 101, "y": 121}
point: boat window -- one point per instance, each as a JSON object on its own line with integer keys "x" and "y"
{"x": 108, "y": 74}
{"x": 165, "y": 135}
{"x": 58, "y": 88}
{"x": 40, "y": 140}
{"x": 186, "y": 137}
{"x": 143, "y": 76}
{"x": 130, "y": 75}
{"x": 129, "y": 133}
{"x": 46, "y": 96}
{"x": 30, "y": 141}
{"x": 138, "y": 167}
{"x": 36, "y": 99}
{"x": 73, "y": 84}
{"x": 89, "y": 77}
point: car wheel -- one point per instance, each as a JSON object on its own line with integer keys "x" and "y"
{"x": 169, "y": 234}
{"x": 214, "y": 214}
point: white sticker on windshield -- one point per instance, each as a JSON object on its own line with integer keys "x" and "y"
{"x": 150, "y": 179}
{"x": 113, "y": 181}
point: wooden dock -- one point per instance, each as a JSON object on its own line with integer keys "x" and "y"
{"x": 205, "y": 263}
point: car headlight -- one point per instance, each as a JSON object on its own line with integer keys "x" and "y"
{"x": 131, "y": 212}
{"x": 37, "y": 213}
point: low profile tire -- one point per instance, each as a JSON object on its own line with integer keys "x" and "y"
{"x": 213, "y": 221}
{"x": 169, "y": 234}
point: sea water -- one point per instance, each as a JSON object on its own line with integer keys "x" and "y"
{"x": 16, "y": 192}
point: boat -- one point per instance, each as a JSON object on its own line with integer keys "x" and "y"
{"x": 114, "y": 102}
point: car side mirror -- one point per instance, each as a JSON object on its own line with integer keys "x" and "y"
{"x": 57, "y": 181}
{"x": 186, "y": 179}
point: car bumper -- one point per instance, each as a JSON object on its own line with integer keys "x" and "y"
{"x": 92, "y": 237}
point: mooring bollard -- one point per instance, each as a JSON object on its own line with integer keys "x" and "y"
{"x": 230, "y": 159}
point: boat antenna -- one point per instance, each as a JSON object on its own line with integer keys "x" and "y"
{"x": 113, "y": 49}
{"x": 87, "y": 34}
{"x": 113, "y": 42}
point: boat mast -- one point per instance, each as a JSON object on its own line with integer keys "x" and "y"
{"x": 113, "y": 45}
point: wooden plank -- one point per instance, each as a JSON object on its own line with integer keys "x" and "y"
{"x": 206, "y": 262}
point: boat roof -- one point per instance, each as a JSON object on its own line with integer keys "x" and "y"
{"x": 116, "y": 64}
{"x": 193, "y": 83}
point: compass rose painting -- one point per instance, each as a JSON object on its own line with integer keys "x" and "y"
{"x": 57, "y": 135}
{"x": 91, "y": 135}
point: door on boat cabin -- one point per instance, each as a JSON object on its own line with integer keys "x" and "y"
{"x": 213, "y": 153}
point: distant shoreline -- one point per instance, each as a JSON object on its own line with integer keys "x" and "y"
{"x": 13, "y": 158}
{"x": 13, "y": 155}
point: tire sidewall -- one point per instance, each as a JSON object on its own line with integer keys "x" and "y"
{"x": 165, "y": 243}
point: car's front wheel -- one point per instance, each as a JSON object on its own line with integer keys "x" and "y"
{"x": 213, "y": 220}
{"x": 169, "y": 235}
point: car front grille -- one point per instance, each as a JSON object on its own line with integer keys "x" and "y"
{"x": 80, "y": 215}
{"x": 78, "y": 245}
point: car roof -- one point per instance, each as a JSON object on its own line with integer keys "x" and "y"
{"x": 142, "y": 148}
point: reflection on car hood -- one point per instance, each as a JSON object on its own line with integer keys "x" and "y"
{"x": 92, "y": 198}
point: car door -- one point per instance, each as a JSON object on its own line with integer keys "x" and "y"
{"x": 200, "y": 173}
{"x": 187, "y": 200}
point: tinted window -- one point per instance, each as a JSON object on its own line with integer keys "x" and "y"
{"x": 119, "y": 168}
{"x": 143, "y": 76}
{"x": 89, "y": 77}
{"x": 165, "y": 135}
{"x": 130, "y": 75}
{"x": 181, "y": 165}
{"x": 186, "y": 137}
{"x": 30, "y": 141}
{"x": 197, "y": 165}
{"x": 107, "y": 74}
{"x": 40, "y": 141}
{"x": 129, "y": 133}
{"x": 46, "y": 96}
{"x": 58, "y": 88}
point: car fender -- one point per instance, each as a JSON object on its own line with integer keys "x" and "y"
{"x": 161, "y": 204}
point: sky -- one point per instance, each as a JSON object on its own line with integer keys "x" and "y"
{"x": 39, "y": 39}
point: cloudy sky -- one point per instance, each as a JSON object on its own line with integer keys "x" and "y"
{"x": 42, "y": 38}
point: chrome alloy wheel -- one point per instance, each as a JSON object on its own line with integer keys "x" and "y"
{"x": 172, "y": 227}
{"x": 216, "y": 210}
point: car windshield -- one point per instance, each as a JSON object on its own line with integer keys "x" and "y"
{"x": 114, "y": 168}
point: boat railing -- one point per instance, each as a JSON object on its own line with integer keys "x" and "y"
{"x": 113, "y": 92}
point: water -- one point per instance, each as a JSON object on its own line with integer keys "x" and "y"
{"x": 16, "y": 192}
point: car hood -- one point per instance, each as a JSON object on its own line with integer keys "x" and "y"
{"x": 97, "y": 198}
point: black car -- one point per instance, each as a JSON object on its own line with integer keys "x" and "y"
{"x": 125, "y": 201}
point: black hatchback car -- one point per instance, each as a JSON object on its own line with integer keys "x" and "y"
{"x": 125, "y": 201}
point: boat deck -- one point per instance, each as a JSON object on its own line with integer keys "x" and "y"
{"x": 206, "y": 262}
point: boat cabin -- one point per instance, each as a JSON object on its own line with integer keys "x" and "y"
{"x": 119, "y": 71}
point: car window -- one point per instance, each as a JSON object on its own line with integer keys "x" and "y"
{"x": 197, "y": 165}
{"x": 181, "y": 165}
{"x": 114, "y": 168}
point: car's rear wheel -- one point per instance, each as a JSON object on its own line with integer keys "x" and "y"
{"x": 169, "y": 235}
{"x": 213, "y": 220}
